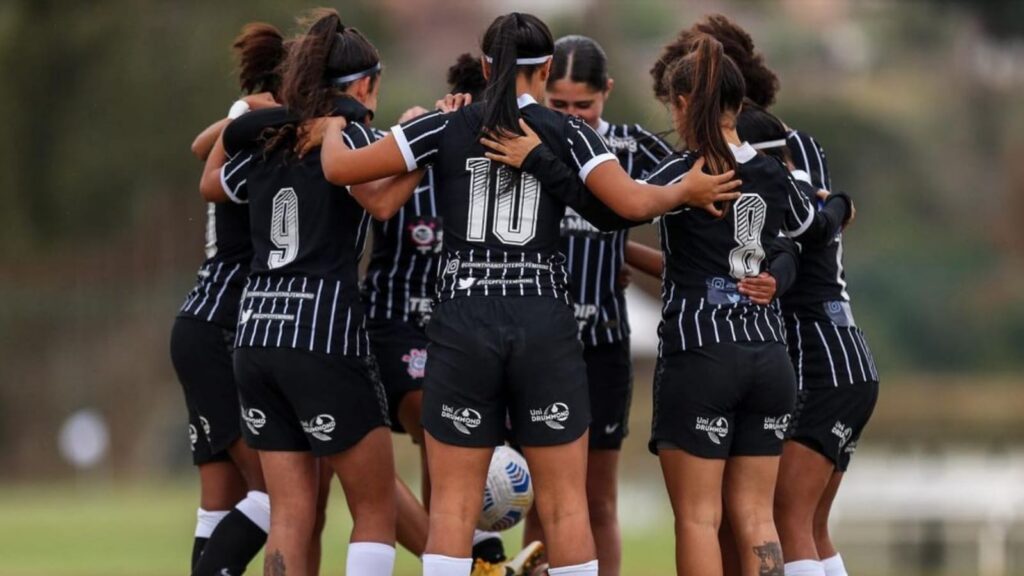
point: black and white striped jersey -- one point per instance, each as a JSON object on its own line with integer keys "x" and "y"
{"x": 221, "y": 278}
{"x": 308, "y": 236}
{"x": 501, "y": 233}
{"x": 706, "y": 256}
{"x": 402, "y": 274}
{"x": 595, "y": 258}
{"x": 825, "y": 344}
{"x": 809, "y": 156}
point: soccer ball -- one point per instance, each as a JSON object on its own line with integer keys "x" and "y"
{"x": 509, "y": 492}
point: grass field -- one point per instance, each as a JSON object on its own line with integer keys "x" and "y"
{"x": 146, "y": 530}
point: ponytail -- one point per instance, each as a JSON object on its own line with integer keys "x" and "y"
{"x": 704, "y": 107}
{"x": 509, "y": 40}
{"x": 260, "y": 50}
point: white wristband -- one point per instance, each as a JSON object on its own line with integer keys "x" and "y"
{"x": 238, "y": 108}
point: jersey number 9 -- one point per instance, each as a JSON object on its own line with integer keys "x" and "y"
{"x": 284, "y": 228}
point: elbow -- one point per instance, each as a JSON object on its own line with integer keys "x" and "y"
{"x": 383, "y": 212}
{"x": 210, "y": 187}
{"x": 198, "y": 150}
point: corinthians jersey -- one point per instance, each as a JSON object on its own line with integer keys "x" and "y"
{"x": 501, "y": 232}
{"x": 221, "y": 278}
{"x": 706, "y": 256}
{"x": 595, "y": 258}
{"x": 402, "y": 273}
{"x": 308, "y": 237}
{"x": 809, "y": 156}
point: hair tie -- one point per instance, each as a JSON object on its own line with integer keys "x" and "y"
{"x": 524, "y": 61}
{"x": 342, "y": 80}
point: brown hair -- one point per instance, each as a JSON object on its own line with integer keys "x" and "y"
{"x": 762, "y": 83}
{"x": 260, "y": 50}
{"x": 712, "y": 84}
{"x": 327, "y": 52}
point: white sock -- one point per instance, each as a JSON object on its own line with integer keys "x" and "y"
{"x": 370, "y": 559}
{"x": 479, "y": 536}
{"x": 834, "y": 566}
{"x": 805, "y": 568}
{"x": 588, "y": 569}
{"x": 256, "y": 507}
{"x": 207, "y": 520}
{"x": 438, "y": 565}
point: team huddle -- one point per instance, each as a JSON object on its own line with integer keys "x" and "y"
{"x": 492, "y": 312}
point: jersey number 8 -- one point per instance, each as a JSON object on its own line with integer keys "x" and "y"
{"x": 284, "y": 228}
{"x": 510, "y": 226}
{"x": 748, "y": 213}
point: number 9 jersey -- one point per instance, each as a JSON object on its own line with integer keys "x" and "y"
{"x": 705, "y": 256}
{"x": 501, "y": 233}
{"x": 308, "y": 236}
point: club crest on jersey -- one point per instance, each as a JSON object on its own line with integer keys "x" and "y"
{"x": 425, "y": 236}
{"x": 464, "y": 419}
{"x": 319, "y": 427}
{"x": 778, "y": 424}
{"x": 716, "y": 428}
{"x": 843, "y": 432}
{"x": 553, "y": 416}
{"x": 254, "y": 420}
{"x": 193, "y": 437}
{"x": 416, "y": 362}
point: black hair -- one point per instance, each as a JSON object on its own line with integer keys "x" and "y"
{"x": 507, "y": 39}
{"x": 260, "y": 49}
{"x": 757, "y": 126}
{"x": 580, "y": 59}
{"x": 466, "y": 76}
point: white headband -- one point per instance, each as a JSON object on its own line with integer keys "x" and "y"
{"x": 768, "y": 144}
{"x": 356, "y": 76}
{"x": 524, "y": 61}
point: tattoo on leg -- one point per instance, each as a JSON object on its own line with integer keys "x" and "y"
{"x": 273, "y": 564}
{"x": 770, "y": 554}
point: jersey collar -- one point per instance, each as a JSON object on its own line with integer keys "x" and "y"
{"x": 801, "y": 176}
{"x": 524, "y": 100}
{"x": 744, "y": 152}
{"x": 603, "y": 127}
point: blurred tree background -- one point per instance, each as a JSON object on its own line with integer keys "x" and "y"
{"x": 917, "y": 104}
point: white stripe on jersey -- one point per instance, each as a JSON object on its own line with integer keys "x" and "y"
{"x": 280, "y": 326}
{"x": 856, "y": 349}
{"x": 835, "y": 380}
{"x": 800, "y": 354}
{"x": 330, "y": 326}
{"x": 316, "y": 311}
{"x": 348, "y": 323}
{"x": 408, "y": 283}
{"x": 714, "y": 324}
{"x": 696, "y": 323}
{"x": 298, "y": 316}
{"x": 256, "y": 323}
{"x": 227, "y": 282}
{"x": 682, "y": 336}
{"x": 728, "y": 318}
{"x": 394, "y": 266}
{"x": 273, "y": 308}
{"x": 768, "y": 321}
{"x": 846, "y": 357}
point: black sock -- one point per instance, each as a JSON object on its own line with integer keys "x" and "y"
{"x": 197, "y": 550}
{"x": 490, "y": 550}
{"x": 235, "y": 542}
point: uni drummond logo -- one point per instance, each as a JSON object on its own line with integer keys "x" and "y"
{"x": 254, "y": 420}
{"x": 319, "y": 427}
{"x": 843, "y": 432}
{"x": 206, "y": 425}
{"x": 193, "y": 437}
{"x": 717, "y": 428}
{"x": 778, "y": 424}
{"x": 464, "y": 419}
{"x": 552, "y": 416}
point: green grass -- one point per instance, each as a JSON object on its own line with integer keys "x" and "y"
{"x": 146, "y": 530}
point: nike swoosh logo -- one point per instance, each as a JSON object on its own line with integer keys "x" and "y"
{"x": 611, "y": 428}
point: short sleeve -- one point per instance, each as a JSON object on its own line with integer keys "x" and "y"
{"x": 357, "y": 136}
{"x": 420, "y": 138}
{"x": 234, "y": 175}
{"x": 670, "y": 170}
{"x": 243, "y": 133}
{"x": 800, "y": 213}
{"x": 586, "y": 147}
{"x": 651, "y": 150}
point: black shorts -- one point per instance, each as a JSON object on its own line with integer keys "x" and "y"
{"x": 724, "y": 400}
{"x": 401, "y": 352}
{"x": 496, "y": 360}
{"x": 610, "y": 379}
{"x": 831, "y": 420}
{"x": 201, "y": 353}
{"x": 297, "y": 400}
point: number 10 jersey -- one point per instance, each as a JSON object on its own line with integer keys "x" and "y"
{"x": 501, "y": 231}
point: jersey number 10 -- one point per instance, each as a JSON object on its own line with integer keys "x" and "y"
{"x": 284, "y": 228}
{"x": 510, "y": 226}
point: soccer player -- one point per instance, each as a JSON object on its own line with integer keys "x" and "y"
{"x": 504, "y": 341}
{"x": 837, "y": 379}
{"x": 234, "y": 513}
{"x": 579, "y": 85}
{"x": 308, "y": 384}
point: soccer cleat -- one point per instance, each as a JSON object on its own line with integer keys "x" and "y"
{"x": 482, "y": 567}
{"x": 527, "y": 562}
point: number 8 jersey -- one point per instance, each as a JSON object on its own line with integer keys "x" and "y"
{"x": 308, "y": 236}
{"x": 501, "y": 232}
{"x": 706, "y": 256}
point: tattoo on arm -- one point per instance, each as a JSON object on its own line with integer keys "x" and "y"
{"x": 273, "y": 564}
{"x": 770, "y": 554}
